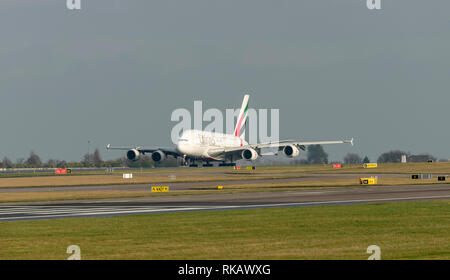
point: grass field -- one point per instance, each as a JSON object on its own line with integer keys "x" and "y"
{"x": 403, "y": 230}
{"x": 393, "y": 168}
{"x": 61, "y": 194}
{"x": 165, "y": 176}
{"x": 217, "y": 174}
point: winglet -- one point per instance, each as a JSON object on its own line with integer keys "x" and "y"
{"x": 349, "y": 141}
{"x": 108, "y": 146}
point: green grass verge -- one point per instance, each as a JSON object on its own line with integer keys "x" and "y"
{"x": 403, "y": 230}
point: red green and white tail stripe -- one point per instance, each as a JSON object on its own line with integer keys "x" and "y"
{"x": 242, "y": 116}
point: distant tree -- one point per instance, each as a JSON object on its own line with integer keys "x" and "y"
{"x": 143, "y": 161}
{"x": 33, "y": 160}
{"x": 71, "y": 164}
{"x": 366, "y": 160}
{"x": 420, "y": 158}
{"x": 97, "y": 158}
{"x": 87, "y": 160}
{"x": 51, "y": 163}
{"x": 352, "y": 159}
{"x": 123, "y": 161}
{"x": 113, "y": 163}
{"x": 20, "y": 163}
{"x": 316, "y": 154}
{"x": 61, "y": 164}
{"x": 91, "y": 160}
{"x": 7, "y": 163}
{"x": 392, "y": 156}
{"x": 168, "y": 162}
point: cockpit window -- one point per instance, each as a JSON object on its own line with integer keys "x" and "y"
{"x": 181, "y": 140}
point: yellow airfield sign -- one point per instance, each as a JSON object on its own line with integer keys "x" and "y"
{"x": 368, "y": 181}
{"x": 160, "y": 188}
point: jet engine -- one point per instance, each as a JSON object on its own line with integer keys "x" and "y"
{"x": 133, "y": 154}
{"x": 249, "y": 154}
{"x": 158, "y": 156}
{"x": 291, "y": 151}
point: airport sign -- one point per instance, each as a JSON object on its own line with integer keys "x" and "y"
{"x": 160, "y": 188}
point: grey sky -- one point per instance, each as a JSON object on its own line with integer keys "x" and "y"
{"x": 114, "y": 71}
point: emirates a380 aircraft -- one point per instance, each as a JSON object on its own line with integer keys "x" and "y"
{"x": 206, "y": 146}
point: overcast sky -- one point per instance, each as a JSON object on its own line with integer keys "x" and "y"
{"x": 114, "y": 71}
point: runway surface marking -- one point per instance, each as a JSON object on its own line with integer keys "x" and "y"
{"x": 38, "y": 212}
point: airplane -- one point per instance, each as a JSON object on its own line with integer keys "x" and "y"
{"x": 207, "y": 146}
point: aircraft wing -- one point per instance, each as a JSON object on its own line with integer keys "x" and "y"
{"x": 280, "y": 145}
{"x": 299, "y": 144}
{"x": 144, "y": 149}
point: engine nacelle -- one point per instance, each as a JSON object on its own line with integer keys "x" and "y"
{"x": 158, "y": 156}
{"x": 249, "y": 154}
{"x": 133, "y": 154}
{"x": 291, "y": 151}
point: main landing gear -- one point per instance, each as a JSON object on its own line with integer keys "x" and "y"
{"x": 192, "y": 163}
{"x": 189, "y": 162}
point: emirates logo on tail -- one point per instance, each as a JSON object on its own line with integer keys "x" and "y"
{"x": 242, "y": 116}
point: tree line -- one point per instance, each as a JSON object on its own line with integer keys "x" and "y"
{"x": 89, "y": 160}
{"x": 315, "y": 155}
{"x": 392, "y": 156}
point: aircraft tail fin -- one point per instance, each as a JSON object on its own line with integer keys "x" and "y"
{"x": 242, "y": 116}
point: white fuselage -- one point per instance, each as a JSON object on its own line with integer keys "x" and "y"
{"x": 205, "y": 144}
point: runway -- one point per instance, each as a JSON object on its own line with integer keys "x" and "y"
{"x": 254, "y": 200}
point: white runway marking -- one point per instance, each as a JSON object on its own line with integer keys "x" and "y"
{"x": 34, "y": 212}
